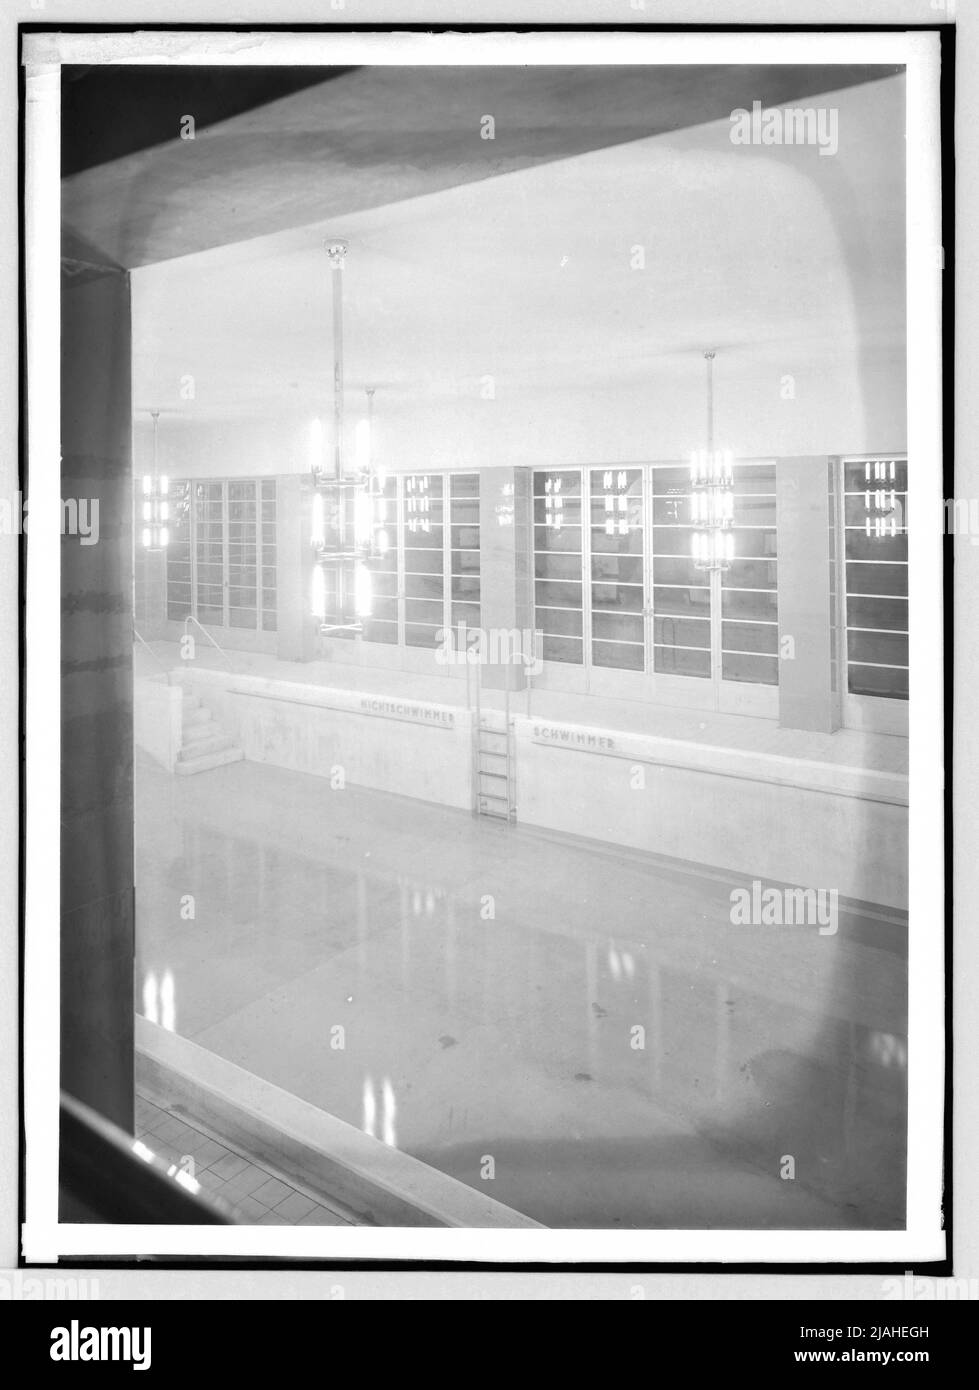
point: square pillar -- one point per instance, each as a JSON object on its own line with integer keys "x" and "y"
{"x": 97, "y": 906}
{"x": 295, "y": 625}
{"x": 506, "y": 575}
{"x": 808, "y": 620}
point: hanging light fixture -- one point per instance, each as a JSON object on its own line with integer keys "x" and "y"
{"x": 712, "y": 494}
{"x": 347, "y": 529}
{"x": 155, "y": 499}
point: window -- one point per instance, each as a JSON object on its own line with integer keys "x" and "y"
{"x": 180, "y": 602}
{"x": 597, "y": 588}
{"x": 558, "y": 564}
{"x": 617, "y": 580}
{"x": 243, "y": 555}
{"x": 681, "y": 592}
{"x": 382, "y": 625}
{"x": 439, "y": 541}
{"x": 749, "y": 589}
{"x": 464, "y": 552}
{"x": 875, "y": 496}
{"x": 207, "y": 519}
{"x": 424, "y": 563}
{"x": 268, "y": 556}
{"x": 221, "y": 560}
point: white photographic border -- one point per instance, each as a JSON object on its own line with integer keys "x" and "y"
{"x": 45, "y": 1240}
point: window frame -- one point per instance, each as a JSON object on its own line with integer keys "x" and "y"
{"x": 260, "y": 636}
{"x": 868, "y": 713}
{"x": 711, "y": 692}
{"x": 400, "y": 652}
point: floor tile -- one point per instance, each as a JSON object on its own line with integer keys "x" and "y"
{"x": 321, "y": 1216}
{"x": 295, "y": 1207}
{"x": 250, "y": 1210}
{"x": 229, "y": 1166}
{"x": 271, "y": 1192}
{"x": 245, "y": 1182}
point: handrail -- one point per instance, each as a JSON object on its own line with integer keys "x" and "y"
{"x": 141, "y": 639}
{"x": 191, "y": 619}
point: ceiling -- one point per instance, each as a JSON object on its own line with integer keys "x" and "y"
{"x": 783, "y": 260}
{"x": 358, "y": 139}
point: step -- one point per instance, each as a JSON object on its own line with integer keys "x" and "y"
{"x": 207, "y": 728}
{"x": 196, "y": 714}
{"x": 208, "y": 761}
{"x": 191, "y": 702}
{"x": 494, "y": 809}
{"x": 216, "y": 743}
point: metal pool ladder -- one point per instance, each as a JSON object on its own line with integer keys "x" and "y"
{"x": 493, "y": 760}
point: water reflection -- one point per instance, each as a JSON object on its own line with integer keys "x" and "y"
{"x": 626, "y": 1055}
{"x": 388, "y": 1112}
{"x": 159, "y": 1003}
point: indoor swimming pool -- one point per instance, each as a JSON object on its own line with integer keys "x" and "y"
{"x": 579, "y": 1029}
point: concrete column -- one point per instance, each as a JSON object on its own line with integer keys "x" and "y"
{"x": 97, "y": 954}
{"x": 808, "y": 693}
{"x": 506, "y": 573}
{"x": 296, "y": 629}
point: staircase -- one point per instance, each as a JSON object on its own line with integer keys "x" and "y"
{"x": 493, "y": 764}
{"x": 204, "y": 744}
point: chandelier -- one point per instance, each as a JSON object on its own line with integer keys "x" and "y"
{"x": 349, "y": 523}
{"x": 712, "y": 495}
{"x": 155, "y": 501}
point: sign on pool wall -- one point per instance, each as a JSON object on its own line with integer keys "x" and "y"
{"x": 569, "y": 737}
{"x": 408, "y": 710}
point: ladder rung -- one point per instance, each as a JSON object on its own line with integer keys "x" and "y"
{"x": 492, "y": 763}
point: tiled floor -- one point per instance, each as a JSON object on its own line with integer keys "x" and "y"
{"x": 255, "y": 1195}
{"x": 362, "y": 916}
